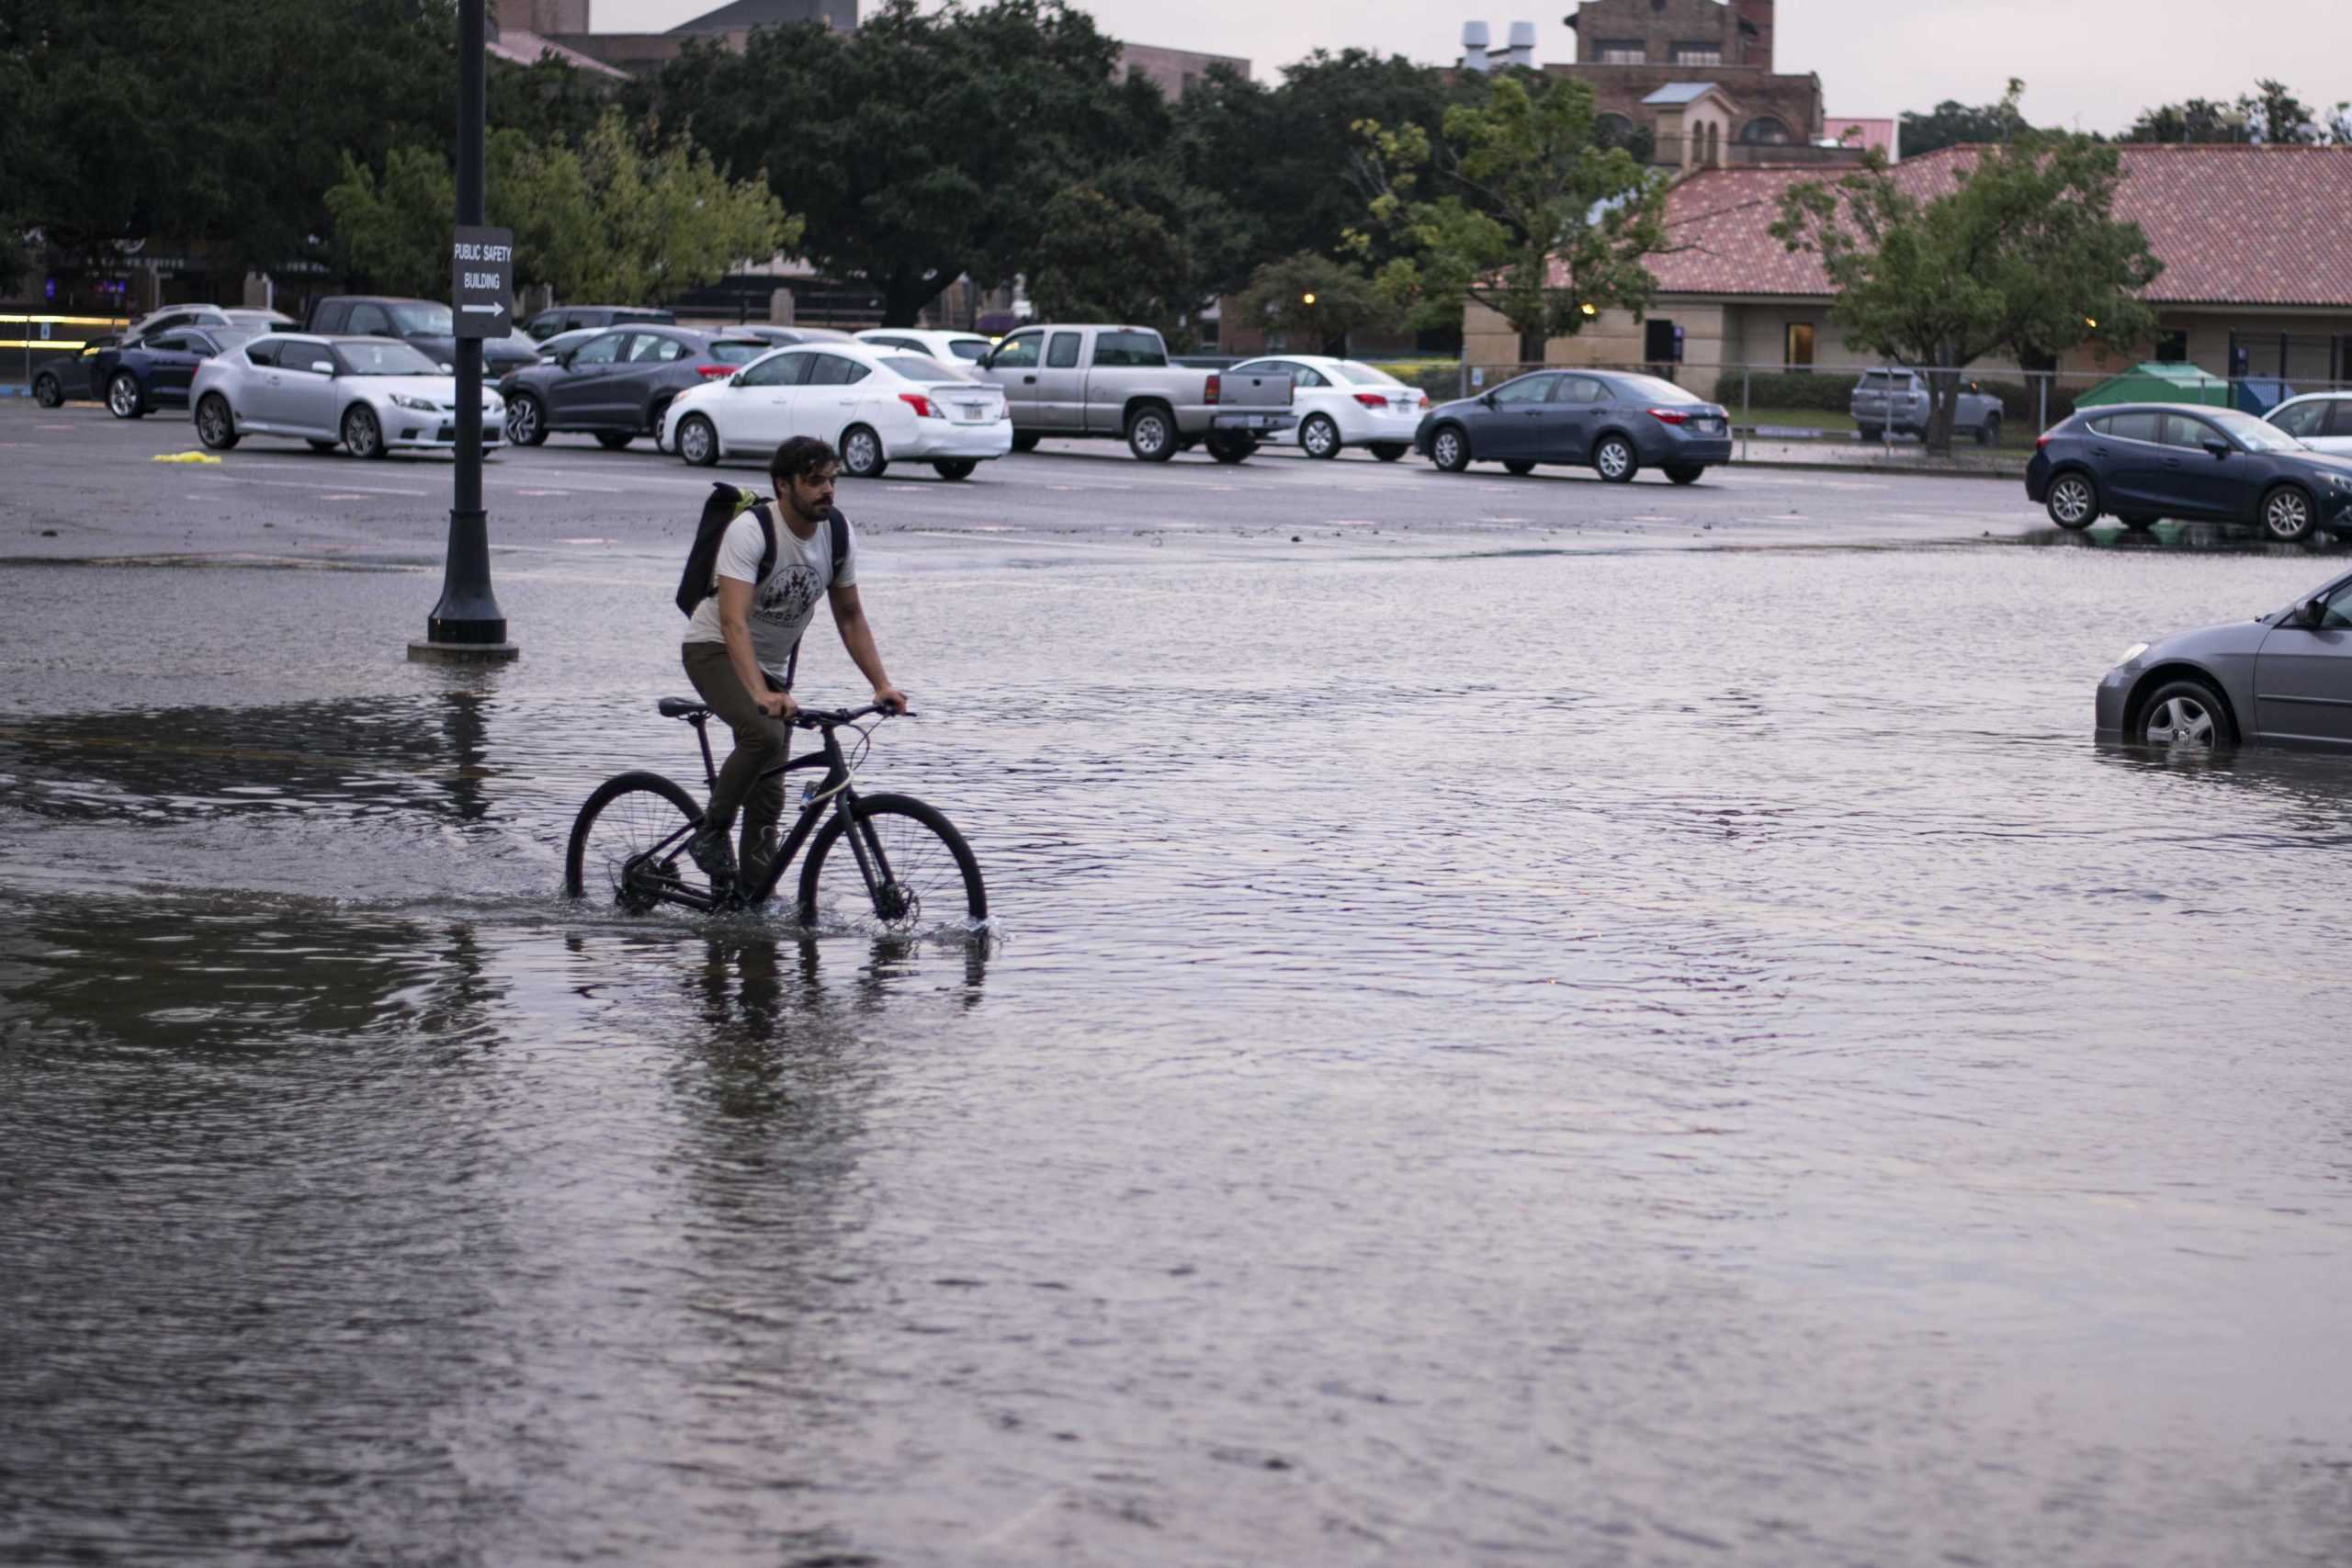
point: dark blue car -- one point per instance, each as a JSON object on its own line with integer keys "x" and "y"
{"x": 1612, "y": 421}
{"x": 2138, "y": 462}
{"x": 154, "y": 372}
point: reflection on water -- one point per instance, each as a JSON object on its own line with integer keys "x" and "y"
{"x": 1611, "y": 1058}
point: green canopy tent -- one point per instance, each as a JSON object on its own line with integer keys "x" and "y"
{"x": 2158, "y": 381}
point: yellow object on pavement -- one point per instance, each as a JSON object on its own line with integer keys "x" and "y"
{"x": 183, "y": 458}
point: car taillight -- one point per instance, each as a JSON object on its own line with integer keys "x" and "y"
{"x": 2040, "y": 441}
{"x": 1668, "y": 416}
{"x": 1210, "y": 395}
{"x": 1372, "y": 399}
{"x": 713, "y": 372}
{"x": 921, "y": 404}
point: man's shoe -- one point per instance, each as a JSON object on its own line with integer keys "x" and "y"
{"x": 709, "y": 850}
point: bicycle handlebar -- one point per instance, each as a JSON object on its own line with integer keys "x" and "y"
{"x": 823, "y": 718}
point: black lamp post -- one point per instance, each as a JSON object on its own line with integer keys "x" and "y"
{"x": 466, "y": 626}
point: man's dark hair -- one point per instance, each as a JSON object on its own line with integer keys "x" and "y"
{"x": 801, "y": 455}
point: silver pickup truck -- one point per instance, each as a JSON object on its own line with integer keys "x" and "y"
{"x": 1896, "y": 402}
{"x": 1066, "y": 381}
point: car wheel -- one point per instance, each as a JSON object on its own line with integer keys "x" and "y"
{"x": 697, "y": 441}
{"x": 1025, "y": 442}
{"x": 1232, "y": 448}
{"x": 1989, "y": 433}
{"x": 526, "y": 423}
{"x": 361, "y": 432}
{"x": 1616, "y": 459}
{"x": 2186, "y": 715}
{"x": 215, "y": 425}
{"x": 2138, "y": 522}
{"x": 2286, "y": 515}
{"x": 1389, "y": 451}
{"x": 1449, "y": 448}
{"x": 613, "y": 440}
{"x": 1318, "y": 436}
{"x": 1151, "y": 434}
{"x": 862, "y": 456}
{"x": 1520, "y": 465}
{"x": 47, "y": 392}
{"x": 2074, "y": 501}
{"x": 955, "y": 468}
{"x": 1685, "y": 473}
{"x": 123, "y": 400}
{"x": 1868, "y": 432}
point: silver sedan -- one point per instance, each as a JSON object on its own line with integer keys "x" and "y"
{"x": 2283, "y": 677}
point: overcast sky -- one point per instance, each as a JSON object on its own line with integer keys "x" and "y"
{"x": 2092, "y": 64}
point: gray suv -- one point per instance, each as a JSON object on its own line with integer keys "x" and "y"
{"x": 1897, "y": 403}
{"x": 616, "y": 386}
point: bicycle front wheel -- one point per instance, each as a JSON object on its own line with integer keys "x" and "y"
{"x": 924, "y": 872}
{"x": 624, "y": 822}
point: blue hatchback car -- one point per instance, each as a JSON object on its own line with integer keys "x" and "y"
{"x": 2139, "y": 462}
{"x": 156, "y": 371}
{"x": 1610, "y": 420}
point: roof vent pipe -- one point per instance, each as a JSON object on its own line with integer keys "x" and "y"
{"x": 1523, "y": 45}
{"x": 1474, "y": 37}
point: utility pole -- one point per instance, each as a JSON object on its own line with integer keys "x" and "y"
{"x": 466, "y": 626}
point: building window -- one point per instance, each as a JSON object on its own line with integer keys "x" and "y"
{"x": 1698, "y": 54}
{"x": 1612, "y": 129}
{"x": 2172, "y": 348}
{"x": 1796, "y": 346}
{"x": 1623, "y": 52}
{"x": 1661, "y": 342}
{"x": 1765, "y": 130}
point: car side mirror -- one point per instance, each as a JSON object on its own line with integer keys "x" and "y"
{"x": 322, "y": 367}
{"x": 2311, "y": 614}
{"x": 2219, "y": 448}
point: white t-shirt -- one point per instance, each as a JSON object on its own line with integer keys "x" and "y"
{"x": 784, "y": 604}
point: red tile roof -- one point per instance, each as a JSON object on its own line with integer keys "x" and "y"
{"x": 2233, "y": 225}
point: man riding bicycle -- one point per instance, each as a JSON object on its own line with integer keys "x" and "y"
{"x": 739, "y": 648}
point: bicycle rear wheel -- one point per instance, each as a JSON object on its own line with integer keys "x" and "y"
{"x": 931, "y": 876}
{"x": 623, "y": 822}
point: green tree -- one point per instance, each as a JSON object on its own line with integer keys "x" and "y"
{"x": 1284, "y": 159}
{"x": 1951, "y": 124}
{"x": 1311, "y": 296}
{"x": 2024, "y": 254}
{"x": 1517, "y": 207}
{"x": 2196, "y": 119}
{"x": 1132, "y": 243}
{"x": 620, "y": 220}
{"x": 2270, "y": 114}
{"x": 922, "y": 147}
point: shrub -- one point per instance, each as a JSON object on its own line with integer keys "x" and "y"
{"x": 1441, "y": 378}
{"x": 1827, "y": 390}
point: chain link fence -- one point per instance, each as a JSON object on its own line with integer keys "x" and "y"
{"x": 1876, "y": 415}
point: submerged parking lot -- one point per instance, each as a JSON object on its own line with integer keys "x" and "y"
{"x": 1530, "y": 1021}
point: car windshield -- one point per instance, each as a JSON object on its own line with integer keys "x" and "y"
{"x": 1650, "y": 390}
{"x": 969, "y": 347}
{"x": 423, "y": 320}
{"x": 2252, "y": 433}
{"x": 1365, "y": 375}
{"x": 916, "y": 367}
{"x": 232, "y": 337}
{"x": 740, "y": 351}
{"x": 386, "y": 358}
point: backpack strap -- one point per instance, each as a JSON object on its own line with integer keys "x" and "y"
{"x": 838, "y": 526}
{"x": 767, "y": 539}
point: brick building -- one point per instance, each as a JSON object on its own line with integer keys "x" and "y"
{"x": 1646, "y": 60}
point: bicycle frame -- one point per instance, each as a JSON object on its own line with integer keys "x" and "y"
{"x": 834, "y": 794}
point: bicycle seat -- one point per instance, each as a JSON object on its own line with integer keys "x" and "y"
{"x": 684, "y": 708}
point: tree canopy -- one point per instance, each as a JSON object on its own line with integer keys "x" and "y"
{"x": 2024, "y": 254}
{"x": 1314, "y": 298}
{"x": 1518, "y": 207}
{"x": 2270, "y": 115}
{"x": 1952, "y": 123}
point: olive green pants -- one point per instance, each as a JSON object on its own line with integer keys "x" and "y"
{"x": 762, "y": 741}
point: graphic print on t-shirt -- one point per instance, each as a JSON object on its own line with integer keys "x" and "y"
{"x": 787, "y": 598}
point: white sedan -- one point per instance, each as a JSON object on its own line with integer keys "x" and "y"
{"x": 962, "y": 350}
{"x": 876, "y": 407}
{"x": 2321, "y": 420}
{"x": 372, "y": 395}
{"x": 1344, "y": 402}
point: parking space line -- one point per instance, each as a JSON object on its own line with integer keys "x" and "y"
{"x": 314, "y": 485}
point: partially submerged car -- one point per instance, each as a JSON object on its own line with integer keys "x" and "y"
{"x": 2283, "y": 677}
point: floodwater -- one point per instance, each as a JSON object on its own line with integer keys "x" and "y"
{"x": 1597, "y": 1059}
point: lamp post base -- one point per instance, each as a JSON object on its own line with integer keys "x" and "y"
{"x": 423, "y": 650}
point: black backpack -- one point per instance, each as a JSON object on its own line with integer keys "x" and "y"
{"x": 725, "y": 504}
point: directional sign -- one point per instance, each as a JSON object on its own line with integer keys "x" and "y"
{"x": 482, "y": 281}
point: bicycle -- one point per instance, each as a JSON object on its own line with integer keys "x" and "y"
{"x": 631, "y": 836}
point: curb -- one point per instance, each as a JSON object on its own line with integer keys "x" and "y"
{"x": 1888, "y": 469}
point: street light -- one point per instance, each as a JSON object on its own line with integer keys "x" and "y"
{"x": 1308, "y": 297}
{"x": 2091, "y": 322}
{"x": 1589, "y": 309}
